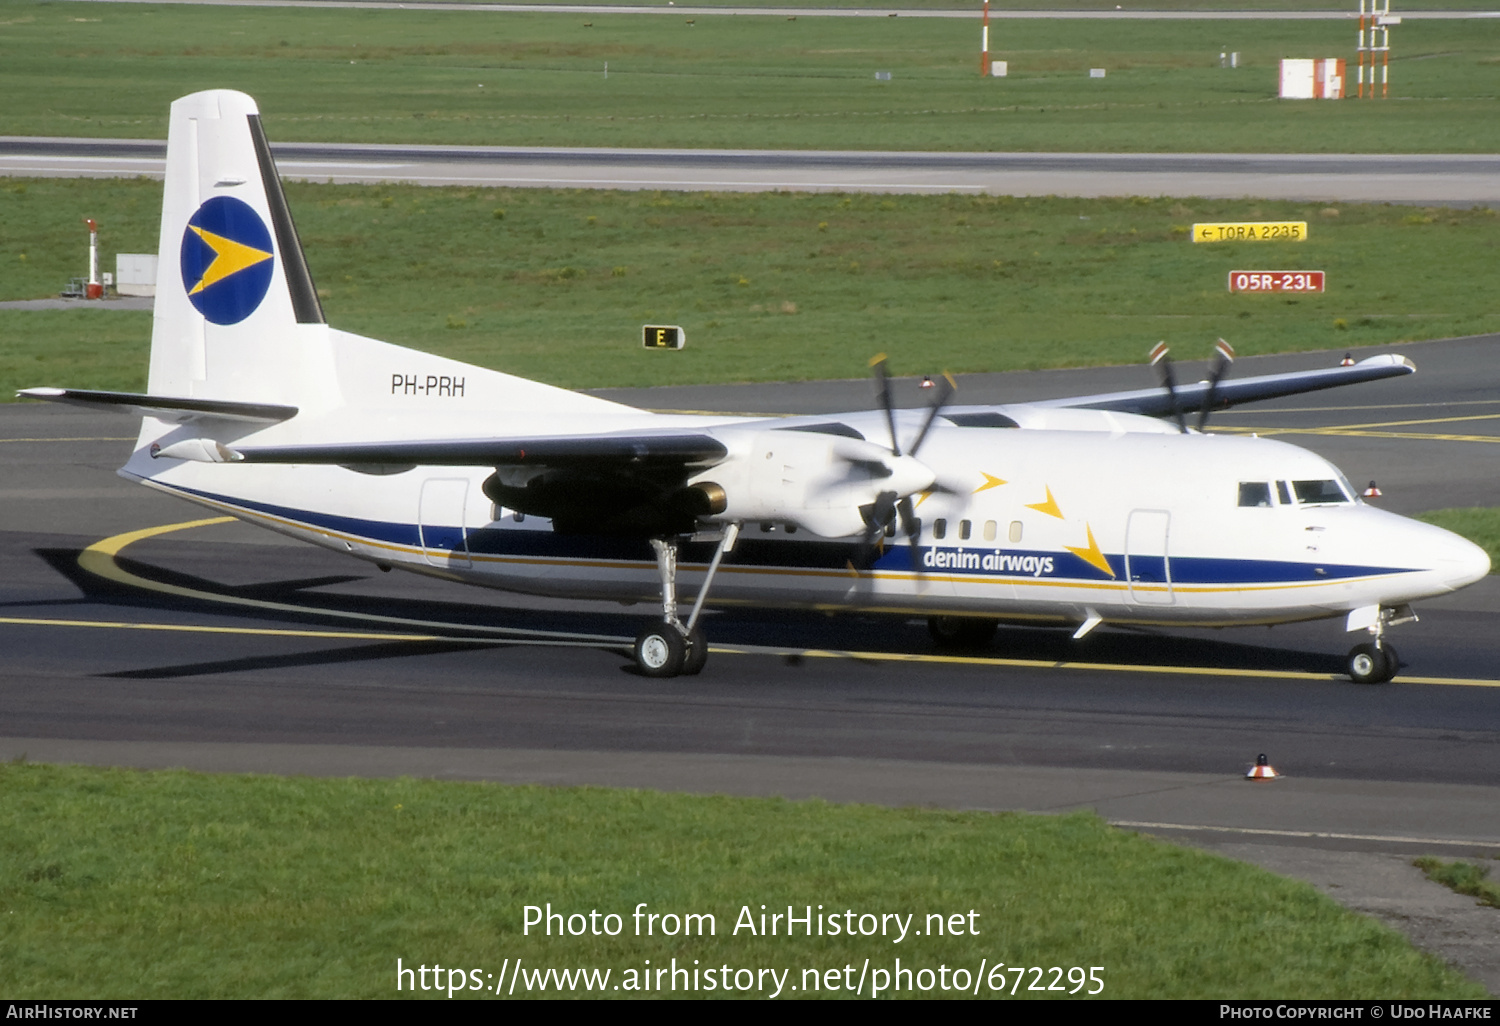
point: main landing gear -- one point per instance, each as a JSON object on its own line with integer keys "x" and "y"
{"x": 670, "y": 647}
{"x": 1376, "y": 662}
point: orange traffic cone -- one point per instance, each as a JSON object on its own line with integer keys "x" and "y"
{"x": 1373, "y": 492}
{"x": 1262, "y": 770}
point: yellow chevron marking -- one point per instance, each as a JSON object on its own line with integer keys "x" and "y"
{"x": 230, "y": 257}
{"x": 1049, "y": 507}
{"x": 1091, "y": 554}
{"x": 990, "y": 481}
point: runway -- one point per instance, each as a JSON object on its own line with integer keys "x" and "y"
{"x": 132, "y": 640}
{"x": 1461, "y": 179}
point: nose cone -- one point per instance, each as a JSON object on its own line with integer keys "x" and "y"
{"x": 1473, "y": 564}
{"x": 1457, "y": 561}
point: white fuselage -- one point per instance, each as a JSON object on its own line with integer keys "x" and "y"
{"x": 1114, "y": 516}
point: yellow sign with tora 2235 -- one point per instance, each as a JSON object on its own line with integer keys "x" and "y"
{"x": 1251, "y": 231}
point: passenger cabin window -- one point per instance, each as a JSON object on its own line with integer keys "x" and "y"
{"x": 964, "y": 527}
{"x": 1319, "y": 492}
{"x": 989, "y": 530}
{"x": 940, "y": 528}
{"x": 1255, "y": 493}
{"x": 1015, "y": 530}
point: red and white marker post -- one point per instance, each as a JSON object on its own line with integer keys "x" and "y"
{"x": 984, "y": 43}
{"x": 94, "y": 290}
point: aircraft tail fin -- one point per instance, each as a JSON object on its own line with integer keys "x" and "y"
{"x": 237, "y": 315}
{"x": 238, "y": 319}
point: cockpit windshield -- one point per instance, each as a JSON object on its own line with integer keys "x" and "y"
{"x": 1310, "y": 492}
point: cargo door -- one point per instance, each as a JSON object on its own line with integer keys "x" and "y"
{"x": 440, "y": 521}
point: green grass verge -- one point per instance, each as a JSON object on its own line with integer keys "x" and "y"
{"x": 736, "y": 82}
{"x": 1463, "y": 878}
{"x": 997, "y": 8}
{"x": 123, "y": 884}
{"x": 1481, "y": 525}
{"x": 773, "y": 286}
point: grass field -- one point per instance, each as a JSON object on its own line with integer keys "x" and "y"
{"x": 555, "y": 284}
{"x": 538, "y": 79}
{"x": 123, "y": 884}
{"x": 997, "y": 8}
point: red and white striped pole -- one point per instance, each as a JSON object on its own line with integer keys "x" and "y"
{"x": 984, "y": 43}
{"x": 1360, "y": 50}
{"x": 95, "y": 290}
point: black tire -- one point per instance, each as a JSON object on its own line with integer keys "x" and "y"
{"x": 961, "y": 633}
{"x": 697, "y": 653}
{"x": 1371, "y": 664}
{"x": 1392, "y": 662}
{"x": 660, "y": 650}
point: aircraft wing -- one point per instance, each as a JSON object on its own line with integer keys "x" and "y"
{"x": 618, "y": 451}
{"x": 173, "y": 408}
{"x": 1156, "y": 402}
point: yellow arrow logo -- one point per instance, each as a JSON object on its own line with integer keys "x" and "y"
{"x": 1091, "y": 554}
{"x": 1049, "y": 507}
{"x": 990, "y": 481}
{"x": 230, "y": 258}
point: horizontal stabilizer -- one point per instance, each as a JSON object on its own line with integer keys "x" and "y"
{"x": 621, "y": 452}
{"x": 163, "y": 407}
{"x": 1156, "y": 402}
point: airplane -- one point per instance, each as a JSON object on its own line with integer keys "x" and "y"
{"x": 1103, "y": 509}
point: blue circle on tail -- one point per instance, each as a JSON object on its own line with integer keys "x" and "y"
{"x": 227, "y": 260}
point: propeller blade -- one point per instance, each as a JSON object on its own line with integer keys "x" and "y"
{"x": 882, "y": 512}
{"x": 1223, "y": 357}
{"x": 883, "y": 397}
{"x": 909, "y": 526}
{"x": 945, "y": 389}
{"x": 1163, "y": 364}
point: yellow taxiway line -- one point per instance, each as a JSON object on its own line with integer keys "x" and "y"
{"x": 100, "y": 559}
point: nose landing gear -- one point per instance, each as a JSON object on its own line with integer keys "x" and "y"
{"x": 1376, "y": 662}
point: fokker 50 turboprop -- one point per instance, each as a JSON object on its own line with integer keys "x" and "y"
{"x": 1077, "y": 511}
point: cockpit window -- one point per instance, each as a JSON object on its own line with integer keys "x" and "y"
{"x": 1319, "y": 492}
{"x": 1255, "y": 493}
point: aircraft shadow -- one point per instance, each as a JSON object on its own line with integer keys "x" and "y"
{"x": 321, "y": 657}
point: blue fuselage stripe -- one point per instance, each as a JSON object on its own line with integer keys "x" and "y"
{"x": 818, "y": 554}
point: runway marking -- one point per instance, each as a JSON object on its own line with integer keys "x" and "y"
{"x": 1378, "y": 430}
{"x": 1370, "y": 406}
{"x": 100, "y": 559}
{"x": 1317, "y": 834}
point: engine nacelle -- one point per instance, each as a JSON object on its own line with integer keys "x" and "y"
{"x": 816, "y": 481}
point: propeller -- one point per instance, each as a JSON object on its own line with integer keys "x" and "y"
{"x": 1163, "y": 365}
{"x": 889, "y": 505}
{"x": 1223, "y": 357}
